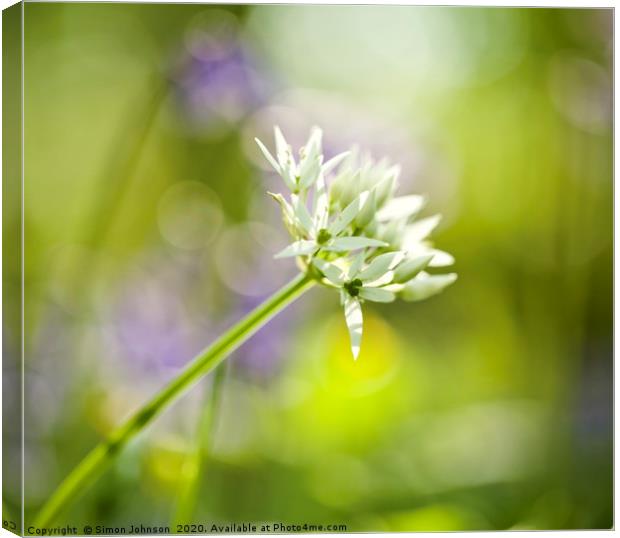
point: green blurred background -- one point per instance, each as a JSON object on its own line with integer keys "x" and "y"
{"x": 148, "y": 232}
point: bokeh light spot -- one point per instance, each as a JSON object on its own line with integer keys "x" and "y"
{"x": 189, "y": 215}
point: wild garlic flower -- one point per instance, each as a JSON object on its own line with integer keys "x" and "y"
{"x": 319, "y": 234}
{"x": 355, "y": 235}
{"x": 299, "y": 177}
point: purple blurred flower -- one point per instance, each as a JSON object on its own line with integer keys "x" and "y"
{"x": 261, "y": 357}
{"x": 157, "y": 320}
{"x": 218, "y": 80}
{"x": 149, "y": 324}
{"x": 161, "y": 316}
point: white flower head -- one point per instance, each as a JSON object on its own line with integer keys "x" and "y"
{"x": 299, "y": 176}
{"x": 358, "y": 214}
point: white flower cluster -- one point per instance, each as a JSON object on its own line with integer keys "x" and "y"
{"x": 355, "y": 236}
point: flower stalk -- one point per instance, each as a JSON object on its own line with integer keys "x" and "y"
{"x": 105, "y": 453}
{"x": 350, "y": 233}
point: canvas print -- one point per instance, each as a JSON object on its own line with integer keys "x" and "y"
{"x": 306, "y": 268}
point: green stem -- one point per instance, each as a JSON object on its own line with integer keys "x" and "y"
{"x": 98, "y": 459}
{"x": 192, "y": 469}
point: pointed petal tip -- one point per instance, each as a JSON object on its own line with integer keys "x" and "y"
{"x": 354, "y": 321}
{"x": 281, "y": 143}
{"x": 270, "y": 158}
{"x": 315, "y": 130}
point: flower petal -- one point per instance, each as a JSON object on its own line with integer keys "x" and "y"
{"x": 387, "y": 185}
{"x": 283, "y": 150}
{"x": 378, "y": 295}
{"x": 314, "y": 143}
{"x": 353, "y": 243}
{"x": 392, "y": 232}
{"x": 396, "y": 288}
{"x": 419, "y": 230}
{"x": 284, "y": 153}
{"x": 425, "y": 285}
{"x": 401, "y": 207}
{"x": 298, "y": 248}
{"x": 311, "y": 159}
{"x": 367, "y": 212}
{"x": 441, "y": 258}
{"x": 380, "y": 265}
{"x": 383, "y": 280}
{"x": 356, "y": 265}
{"x": 321, "y": 204}
{"x": 339, "y": 185}
{"x": 333, "y": 162}
{"x": 268, "y": 155}
{"x": 346, "y": 186}
{"x": 333, "y": 273}
{"x": 288, "y": 214}
{"x": 284, "y": 205}
{"x": 354, "y": 319}
{"x": 348, "y": 214}
{"x": 309, "y": 172}
{"x": 410, "y": 268}
{"x": 303, "y": 216}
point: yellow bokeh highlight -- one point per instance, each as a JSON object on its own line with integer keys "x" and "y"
{"x": 346, "y": 401}
{"x": 437, "y": 517}
{"x": 378, "y": 359}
